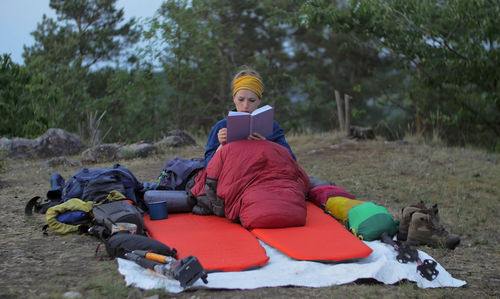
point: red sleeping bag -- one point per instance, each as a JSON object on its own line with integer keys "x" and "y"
{"x": 260, "y": 183}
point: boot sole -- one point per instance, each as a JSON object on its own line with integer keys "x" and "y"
{"x": 413, "y": 242}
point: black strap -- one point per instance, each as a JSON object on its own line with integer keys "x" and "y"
{"x": 32, "y": 203}
{"x": 44, "y": 230}
{"x": 35, "y": 204}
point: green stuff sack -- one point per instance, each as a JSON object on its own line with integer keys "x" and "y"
{"x": 368, "y": 221}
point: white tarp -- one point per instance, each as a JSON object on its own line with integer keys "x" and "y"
{"x": 284, "y": 271}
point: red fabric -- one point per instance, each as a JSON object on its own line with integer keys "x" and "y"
{"x": 322, "y": 239}
{"x": 219, "y": 244}
{"x": 319, "y": 195}
{"x": 261, "y": 184}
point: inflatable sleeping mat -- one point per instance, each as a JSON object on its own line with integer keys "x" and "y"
{"x": 218, "y": 243}
{"x": 222, "y": 245}
{"x": 321, "y": 239}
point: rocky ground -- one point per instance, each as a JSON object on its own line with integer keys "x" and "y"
{"x": 34, "y": 265}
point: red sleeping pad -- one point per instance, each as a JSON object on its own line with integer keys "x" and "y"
{"x": 321, "y": 239}
{"x": 219, "y": 244}
{"x": 222, "y": 245}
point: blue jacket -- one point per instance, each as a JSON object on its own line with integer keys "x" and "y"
{"x": 213, "y": 141}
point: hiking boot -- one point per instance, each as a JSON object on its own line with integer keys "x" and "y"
{"x": 197, "y": 210}
{"x": 202, "y": 206}
{"x": 425, "y": 229}
{"x": 405, "y": 219}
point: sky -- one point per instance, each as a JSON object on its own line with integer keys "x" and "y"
{"x": 18, "y": 18}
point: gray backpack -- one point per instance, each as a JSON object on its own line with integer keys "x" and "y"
{"x": 106, "y": 215}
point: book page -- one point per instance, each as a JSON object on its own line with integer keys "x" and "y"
{"x": 232, "y": 113}
{"x": 261, "y": 109}
{"x": 238, "y": 126}
{"x": 263, "y": 121}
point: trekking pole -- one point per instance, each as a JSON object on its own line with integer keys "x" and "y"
{"x": 155, "y": 256}
{"x": 187, "y": 270}
{"x": 426, "y": 269}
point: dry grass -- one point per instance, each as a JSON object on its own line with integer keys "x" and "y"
{"x": 463, "y": 182}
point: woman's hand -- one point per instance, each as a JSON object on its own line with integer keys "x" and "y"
{"x": 222, "y": 136}
{"x": 256, "y": 136}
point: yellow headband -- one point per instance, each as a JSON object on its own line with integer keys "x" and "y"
{"x": 248, "y": 82}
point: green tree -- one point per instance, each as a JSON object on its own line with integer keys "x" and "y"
{"x": 19, "y": 117}
{"x": 86, "y": 35}
{"x": 135, "y": 97}
{"x": 204, "y": 43}
{"x": 88, "y": 32}
{"x": 451, "y": 50}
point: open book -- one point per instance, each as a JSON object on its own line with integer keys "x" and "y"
{"x": 240, "y": 125}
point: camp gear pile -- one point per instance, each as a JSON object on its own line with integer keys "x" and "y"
{"x": 261, "y": 195}
{"x": 108, "y": 201}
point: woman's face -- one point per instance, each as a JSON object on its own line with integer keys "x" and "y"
{"x": 246, "y": 101}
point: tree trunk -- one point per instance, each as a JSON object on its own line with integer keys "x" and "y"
{"x": 347, "y": 99}
{"x": 339, "y": 110}
{"x": 418, "y": 113}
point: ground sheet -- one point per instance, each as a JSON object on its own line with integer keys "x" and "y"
{"x": 282, "y": 270}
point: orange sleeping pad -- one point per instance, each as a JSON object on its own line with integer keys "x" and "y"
{"x": 219, "y": 244}
{"x": 321, "y": 239}
{"x": 222, "y": 245}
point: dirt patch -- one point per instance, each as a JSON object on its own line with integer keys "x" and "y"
{"x": 34, "y": 265}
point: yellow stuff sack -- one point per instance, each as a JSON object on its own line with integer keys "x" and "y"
{"x": 73, "y": 204}
{"x": 339, "y": 206}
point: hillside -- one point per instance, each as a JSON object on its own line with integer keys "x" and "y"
{"x": 463, "y": 182}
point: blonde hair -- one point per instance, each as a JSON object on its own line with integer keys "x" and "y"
{"x": 246, "y": 71}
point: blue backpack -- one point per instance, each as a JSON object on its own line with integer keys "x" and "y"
{"x": 89, "y": 184}
{"x": 75, "y": 186}
{"x": 177, "y": 171}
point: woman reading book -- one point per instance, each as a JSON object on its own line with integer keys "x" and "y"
{"x": 247, "y": 96}
{"x": 255, "y": 182}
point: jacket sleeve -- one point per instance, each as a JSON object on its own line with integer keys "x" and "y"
{"x": 213, "y": 141}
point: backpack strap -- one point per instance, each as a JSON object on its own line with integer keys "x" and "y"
{"x": 99, "y": 231}
{"x": 32, "y": 203}
{"x": 35, "y": 204}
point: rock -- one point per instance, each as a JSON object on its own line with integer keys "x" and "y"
{"x": 172, "y": 141}
{"x": 361, "y": 133}
{"x": 20, "y": 148}
{"x": 177, "y": 138}
{"x": 57, "y": 142}
{"x": 111, "y": 152}
{"x": 72, "y": 295}
{"x": 61, "y": 160}
{"x": 136, "y": 150}
{"x": 5, "y": 144}
{"x": 101, "y": 153}
{"x": 186, "y": 138}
